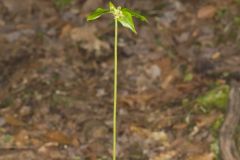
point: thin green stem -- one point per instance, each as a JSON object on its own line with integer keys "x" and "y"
{"x": 115, "y": 91}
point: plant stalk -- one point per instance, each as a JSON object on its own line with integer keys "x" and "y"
{"x": 115, "y": 91}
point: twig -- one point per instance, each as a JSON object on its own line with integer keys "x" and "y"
{"x": 228, "y": 146}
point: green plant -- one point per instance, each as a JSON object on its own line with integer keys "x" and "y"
{"x": 125, "y": 17}
{"x": 215, "y": 129}
{"x": 216, "y": 97}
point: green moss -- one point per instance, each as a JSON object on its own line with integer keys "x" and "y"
{"x": 215, "y": 98}
{"x": 215, "y": 149}
{"x": 216, "y": 126}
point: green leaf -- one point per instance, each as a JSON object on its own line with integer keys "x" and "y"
{"x": 97, "y": 13}
{"x": 111, "y": 6}
{"x": 135, "y": 14}
{"x": 127, "y": 21}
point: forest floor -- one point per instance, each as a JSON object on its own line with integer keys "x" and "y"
{"x": 56, "y": 80}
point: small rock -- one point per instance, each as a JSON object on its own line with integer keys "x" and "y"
{"x": 154, "y": 71}
{"x": 100, "y": 92}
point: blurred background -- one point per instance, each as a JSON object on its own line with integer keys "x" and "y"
{"x": 56, "y": 79}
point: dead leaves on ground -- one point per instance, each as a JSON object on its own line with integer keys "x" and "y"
{"x": 171, "y": 82}
{"x": 163, "y": 74}
{"x": 141, "y": 99}
{"x": 87, "y": 35}
{"x": 14, "y": 121}
{"x": 156, "y": 136}
{"x": 207, "y": 12}
{"x": 205, "y": 156}
{"x": 58, "y": 137}
{"x": 18, "y": 6}
{"x": 180, "y": 147}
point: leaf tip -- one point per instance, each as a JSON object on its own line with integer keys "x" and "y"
{"x": 111, "y": 6}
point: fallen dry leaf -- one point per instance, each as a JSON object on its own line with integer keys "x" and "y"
{"x": 13, "y": 121}
{"x": 141, "y": 99}
{"x": 207, "y": 12}
{"x": 65, "y": 31}
{"x": 160, "y": 136}
{"x": 169, "y": 73}
{"x": 59, "y": 137}
{"x": 206, "y": 121}
{"x": 45, "y": 148}
{"x": 180, "y": 126}
{"x": 87, "y": 35}
{"x": 142, "y": 132}
{"x": 165, "y": 156}
{"x": 22, "y": 138}
{"x": 206, "y": 156}
{"x": 216, "y": 55}
{"x": 167, "y": 81}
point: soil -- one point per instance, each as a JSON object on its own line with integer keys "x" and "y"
{"x": 56, "y": 79}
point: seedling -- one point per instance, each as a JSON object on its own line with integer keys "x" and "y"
{"x": 125, "y": 17}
